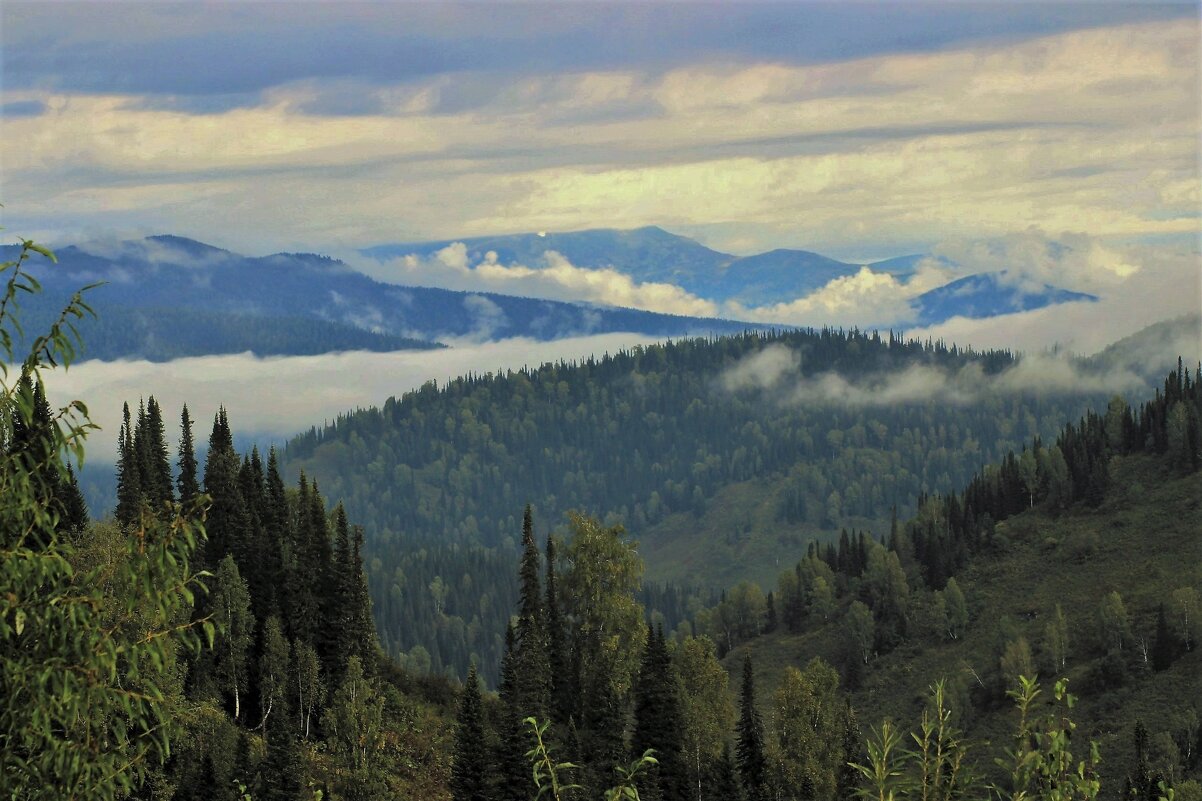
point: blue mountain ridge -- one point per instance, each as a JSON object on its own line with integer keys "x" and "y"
{"x": 989, "y": 295}
{"x": 159, "y": 274}
{"x": 652, "y": 254}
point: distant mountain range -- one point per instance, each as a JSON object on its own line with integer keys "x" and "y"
{"x": 167, "y": 296}
{"x": 652, "y": 254}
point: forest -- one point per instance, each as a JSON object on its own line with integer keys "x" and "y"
{"x": 665, "y": 439}
{"x": 214, "y": 638}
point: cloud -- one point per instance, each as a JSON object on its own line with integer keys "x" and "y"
{"x": 776, "y": 372}
{"x": 854, "y": 152}
{"x": 866, "y": 298}
{"x": 555, "y": 279}
{"x": 270, "y": 399}
{"x": 183, "y": 50}
{"x": 1167, "y": 284}
{"x": 761, "y": 370}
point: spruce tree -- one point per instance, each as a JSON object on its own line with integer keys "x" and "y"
{"x": 753, "y": 766}
{"x": 657, "y": 720}
{"x": 227, "y": 522}
{"x": 74, "y": 508}
{"x": 532, "y": 677}
{"x": 512, "y": 776}
{"x": 186, "y": 482}
{"x": 129, "y": 489}
{"x": 360, "y": 622}
{"x": 469, "y": 770}
{"x": 156, "y": 475}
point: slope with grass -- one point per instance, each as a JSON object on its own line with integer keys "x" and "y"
{"x": 1144, "y": 542}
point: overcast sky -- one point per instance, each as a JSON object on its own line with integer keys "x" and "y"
{"x": 859, "y": 130}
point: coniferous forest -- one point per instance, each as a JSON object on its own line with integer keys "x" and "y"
{"x": 214, "y": 637}
{"x": 663, "y": 439}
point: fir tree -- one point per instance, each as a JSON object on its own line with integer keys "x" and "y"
{"x": 227, "y": 522}
{"x": 532, "y": 678}
{"x": 129, "y": 489}
{"x": 1163, "y": 647}
{"x": 657, "y": 722}
{"x": 469, "y": 771}
{"x": 750, "y": 748}
{"x": 156, "y": 467}
{"x": 512, "y": 775}
{"x": 186, "y": 482}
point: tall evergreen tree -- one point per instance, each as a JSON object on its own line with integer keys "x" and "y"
{"x": 657, "y": 720}
{"x": 186, "y": 482}
{"x": 532, "y": 676}
{"x": 512, "y": 774}
{"x": 227, "y": 524}
{"x": 156, "y": 467}
{"x": 469, "y": 770}
{"x": 360, "y": 622}
{"x": 1164, "y": 646}
{"x": 129, "y": 485}
{"x": 753, "y": 765}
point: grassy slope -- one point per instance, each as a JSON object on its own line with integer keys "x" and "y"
{"x": 1148, "y": 542}
{"x": 738, "y": 538}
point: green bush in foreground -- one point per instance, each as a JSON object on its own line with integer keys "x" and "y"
{"x": 89, "y": 636}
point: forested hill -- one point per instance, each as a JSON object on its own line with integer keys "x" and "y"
{"x": 722, "y": 456}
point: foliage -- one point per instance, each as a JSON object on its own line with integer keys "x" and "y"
{"x": 87, "y": 645}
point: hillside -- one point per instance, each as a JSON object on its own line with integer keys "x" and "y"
{"x": 722, "y": 457}
{"x": 1143, "y": 542}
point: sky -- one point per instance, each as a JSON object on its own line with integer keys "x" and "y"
{"x": 859, "y": 130}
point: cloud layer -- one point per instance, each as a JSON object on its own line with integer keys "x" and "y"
{"x": 273, "y": 398}
{"x": 776, "y": 372}
{"x": 753, "y": 127}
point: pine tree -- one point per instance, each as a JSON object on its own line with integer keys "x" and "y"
{"x": 227, "y": 522}
{"x": 186, "y": 482}
{"x": 129, "y": 489}
{"x": 156, "y": 467}
{"x": 469, "y": 771}
{"x": 361, "y": 624}
{"x": 658, "y": 721}
{"x": 750, "y": 748}
{"x": 512, "y": 774}
{"x": 532, "y": 677}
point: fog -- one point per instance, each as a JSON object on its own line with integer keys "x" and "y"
{"x": 269, "y": 399}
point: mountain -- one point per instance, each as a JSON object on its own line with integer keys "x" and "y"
{"x": 648, "y": 254}
{"x": 167, "y": 296}
{"x": 989, "y": 295}
{"x": 779, "y": 276}
{"x": 722, "y": 457}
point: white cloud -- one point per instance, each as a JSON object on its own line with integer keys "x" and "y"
{"x": 1033, "y": 373}
{"x": 555, "y": 279}
{"x": 1166, "y": 285}
{"x": 1095, "y": 129}
{"x": 273, "y": 398}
